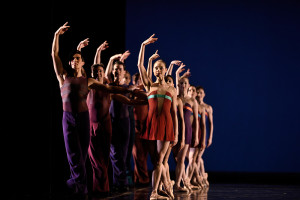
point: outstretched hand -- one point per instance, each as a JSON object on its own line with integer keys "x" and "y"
{"x": 103, "y": 46}
{"x": 180, "y": 69}
{"x": 154, "y": 56}
{"x": 187, "y": 74}
{"x": 175, "y": 62}
{"x": 124, "y": 56}
{"x": 62, "y": 29}
{"x": 83, "y": 44}
{"x": 151, "y": 39}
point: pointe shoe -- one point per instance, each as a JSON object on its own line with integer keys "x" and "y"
{"x": 162, "y": 192}
{"x": 205, "y": 179}
{"x": 200, "y": 182}
{"x": 187, "y": 185}
{"x": 195, "y": 185}
{"x": 169, "y": 191}
{"x": 180, "y": 189}
{"x": 155, "y": 196}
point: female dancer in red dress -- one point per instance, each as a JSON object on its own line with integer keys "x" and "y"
{"x": 161, "y": 116}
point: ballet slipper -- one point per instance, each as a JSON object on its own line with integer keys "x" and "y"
{"x": 200, "y": 182}
{"x": 169, "y": 191}
{"x": 180, "y": 189}
{"x": 172, "y": 183}
{"x": 187, "y": 185}
{"x": 162, "y": 192}
{"x": 205, "y": 179}
{"x": 195, "y": 185}
{"x": 155, "y": 196}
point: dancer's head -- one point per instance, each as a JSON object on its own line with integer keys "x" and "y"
{"x": 127, "y": 78}
{"x": 76, "y": 63}
{"x": 169, "y": 80}
{"x": 118, "y": 71}
{"x": 98, "y": 71}
{"x": 200, "y": 93}
{"x": 192, "y": 91}
{"x": 184, "y": 84}
{"x": 159, "y": 69}
{"x": 76, "y": 60}
{"x": 136, "y": 79}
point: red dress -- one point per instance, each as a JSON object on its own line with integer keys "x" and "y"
{"x": 159, "y": 126}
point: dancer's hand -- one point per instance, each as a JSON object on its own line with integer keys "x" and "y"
{"x": 175, "y": 141}
{"x": 175, "y": 62}
{"x": 103, "y": 46}
{"x": 124, "y": 56}
{"x": 196, "y": 142}
{"x": 202, "y": 147}
{"x": 115, "y": 57}
{"x": 209, "y": 142}
{"x": 180, "y": 69}
{"x": 151, "y": 39}
{"x": 154, "y": 56}
{"x": 83, "y": 44}
{"x": 182, "y": 143}
{"x": 62, "y": 29}
{"x": 186, "y": 74}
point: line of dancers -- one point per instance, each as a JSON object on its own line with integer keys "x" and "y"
{"x": 108, "y": 120}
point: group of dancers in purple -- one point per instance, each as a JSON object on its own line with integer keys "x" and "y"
{"x": 108, "y": 120}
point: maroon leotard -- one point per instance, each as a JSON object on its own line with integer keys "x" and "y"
{"x": 74, "y": 92}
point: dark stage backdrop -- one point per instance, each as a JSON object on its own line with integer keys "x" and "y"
{"x": 246, "y": 55}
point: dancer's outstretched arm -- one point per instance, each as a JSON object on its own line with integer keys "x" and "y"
{"x": 58, "y": 67}
{"x": 178, "y": 71}
{"x": 170, "y": 69}
{"x": 143, "y": 73}
{"x": 110, "y": 65}
{"x": 124, "y": 56}
{"x": 149, "y": 68}
{"x": 126, "y": 100}
{"x": 83, "y": 44}
{"x": 102, "y": 47}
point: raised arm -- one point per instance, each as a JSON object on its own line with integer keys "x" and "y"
{"x": 170, "y": 69}
{"x": 83, "y": 44}
{"x": 124, "y": 56}
{"x": 110, "y": 66}
{"x": 178, "y": 71}
{"x": 103, "y": 46}
{"x": 186, "y": 74}
{"x": 58, "y": 67}
{"x": 143, "y": 73}
{"x": 149, "y": 68}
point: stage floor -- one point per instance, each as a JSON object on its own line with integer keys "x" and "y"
{"x": 223, "y": 191}
{"x": 214, "y": 192}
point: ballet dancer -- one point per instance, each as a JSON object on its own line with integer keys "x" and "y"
{"x": 161, "y": 116}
